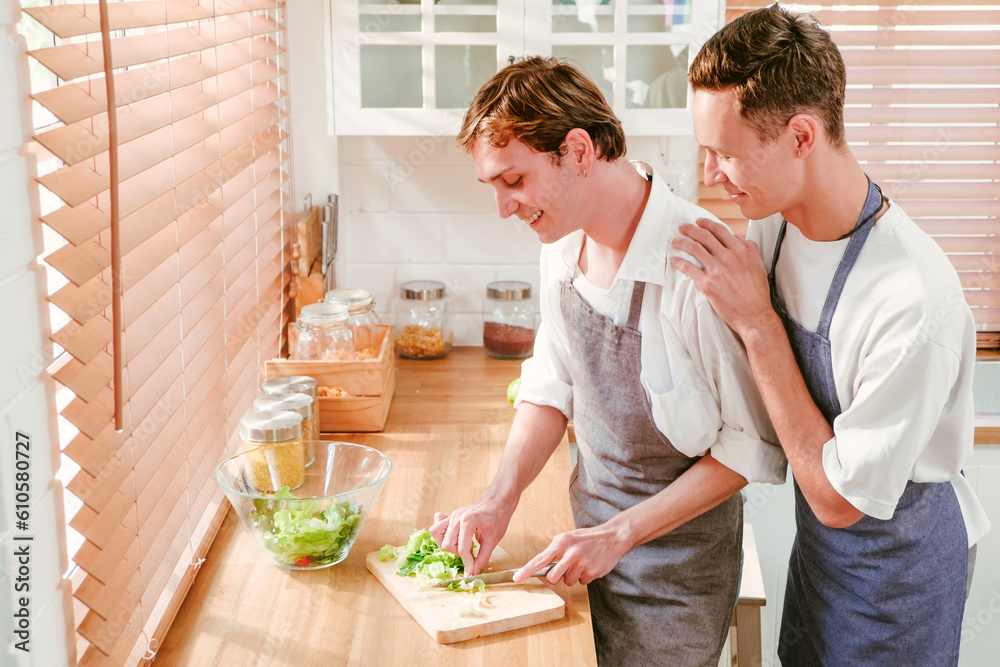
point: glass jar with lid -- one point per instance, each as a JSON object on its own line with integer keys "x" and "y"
{"x": 300, "y": 404}
{"x": 291, "y": 384}
{"x": 361, "y": 319}
{"x": 509, "y": 320}
{"x": 422, "y": 330}
{"x": 273, "y": 467}
{"x": 323, "y": 333}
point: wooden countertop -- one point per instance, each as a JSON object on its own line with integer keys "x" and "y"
{"x": 445, "y": 433}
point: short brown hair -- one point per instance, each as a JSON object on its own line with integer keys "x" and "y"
{"x": 778, "y": 64}
{"x": 538, "y": 101}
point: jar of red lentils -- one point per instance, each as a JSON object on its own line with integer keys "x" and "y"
{"x": 509, "y": 320}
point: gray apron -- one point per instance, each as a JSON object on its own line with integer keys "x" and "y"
{"x": 877, "y": 592}
{"x": 668, "y": 601}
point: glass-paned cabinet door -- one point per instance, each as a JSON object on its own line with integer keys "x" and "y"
{"x": 411, "y": 67}
{"x": 638, "y": 52}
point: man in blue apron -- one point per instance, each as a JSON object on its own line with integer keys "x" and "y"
{"x": 860, "y": 341}
{"x": 668, "y": 421}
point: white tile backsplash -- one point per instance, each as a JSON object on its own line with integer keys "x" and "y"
{"x": 391, "y": 239}
{"x": 366, "y": 188}
{"x": 489, "y": 240}
{"x": 379, "y": 279}
{"x": 468, "y": 329}
{"x": 439, "y": 188}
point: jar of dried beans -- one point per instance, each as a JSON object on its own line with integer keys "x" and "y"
{"x": 361, "y": 318}
{"x": 422, "y": 330}
{"x": 508, "y": 320}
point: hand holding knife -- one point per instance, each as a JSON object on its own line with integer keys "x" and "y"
{"x": 491, "y": 578}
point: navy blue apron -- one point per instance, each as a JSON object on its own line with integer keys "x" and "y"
{"x": 877, "y": 592}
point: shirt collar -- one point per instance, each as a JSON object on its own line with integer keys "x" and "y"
{"x": 647, "y": 252}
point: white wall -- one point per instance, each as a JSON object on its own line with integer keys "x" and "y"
{"x": 26, "y": 403}
{"x": 314, "y": 150}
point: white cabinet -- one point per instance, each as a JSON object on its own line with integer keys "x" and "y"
{"x": 410, "y": 67}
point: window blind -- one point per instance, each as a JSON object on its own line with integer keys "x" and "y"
{"x": 921, "y": 113}
{"x": 182, "y": 166}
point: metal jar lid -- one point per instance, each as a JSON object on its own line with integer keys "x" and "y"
{"x": 271, "y": 426}
{"x": 356, "y": 300}
{"x": 422, "y": 290}
{"x": 290, "y": 384}
{"x": 324, "y": 314}
{"x": 508, "y": 290}
{"x": 299, "y": 403}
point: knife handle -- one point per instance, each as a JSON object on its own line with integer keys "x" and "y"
{"x": 545, "y": 570}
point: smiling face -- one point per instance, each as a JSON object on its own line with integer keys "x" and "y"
{"x": 758, "y": 177}
{"x": 545, "y": 195}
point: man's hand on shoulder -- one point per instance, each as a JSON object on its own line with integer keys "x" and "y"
{"x": 732, "y": 275}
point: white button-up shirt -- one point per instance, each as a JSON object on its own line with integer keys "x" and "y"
{"x": 694, "y": 368}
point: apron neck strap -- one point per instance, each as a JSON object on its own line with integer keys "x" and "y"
{"x": 635, "y": 308}
{"x": 873, "y": 204}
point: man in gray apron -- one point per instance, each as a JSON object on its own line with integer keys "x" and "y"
{"x": 860, "y": 341}
{"x": 668, "y": 421}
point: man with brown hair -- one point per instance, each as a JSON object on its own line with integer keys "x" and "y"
{"x": 861, "y": 343}
{"x": 669, "y": 425}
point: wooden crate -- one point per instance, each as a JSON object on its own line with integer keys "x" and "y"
{"x": 370, "y": 384}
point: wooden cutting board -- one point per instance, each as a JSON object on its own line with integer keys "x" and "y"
{"x": 512, "y": 606}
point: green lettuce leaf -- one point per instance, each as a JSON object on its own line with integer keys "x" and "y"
{"x": 304, "y": 532}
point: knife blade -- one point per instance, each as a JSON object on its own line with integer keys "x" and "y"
{"x": 490, "y": 578}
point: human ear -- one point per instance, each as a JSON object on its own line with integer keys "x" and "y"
{"x": 804, "y": 132}
{"x": 579, "y": 149}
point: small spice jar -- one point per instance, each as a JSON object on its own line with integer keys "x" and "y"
{"x": 361, "y": 319}
{"x": 273, "y": 467}
{"x": 323, "y": 334}
{"x": 300, "y": 404}
{"x": 422, "y": 320}
{"x": 508, "y": 320}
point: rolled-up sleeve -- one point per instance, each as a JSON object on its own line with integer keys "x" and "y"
{"x": 902, "y": 394}
{"x": 545, "y": 376}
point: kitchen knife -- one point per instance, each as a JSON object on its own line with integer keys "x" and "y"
{"x": 490, "y": 578}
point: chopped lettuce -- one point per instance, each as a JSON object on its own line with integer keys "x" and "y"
{"x": 422, "y": 558}
{"x": 304, "y": 532}
{"x": 475, "y": 585}
{"x": 474, "y": 606}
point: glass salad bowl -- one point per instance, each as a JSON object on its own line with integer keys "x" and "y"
{"x": 315, "y": 524}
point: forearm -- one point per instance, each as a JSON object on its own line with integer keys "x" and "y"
{"x": 700, "y": 488}
{"x": 535, "y": 433}
{"x": 801, "y": 428}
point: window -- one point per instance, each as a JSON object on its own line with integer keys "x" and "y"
{"x": 197, "y": 134}
{"x": 922, "y": 111}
